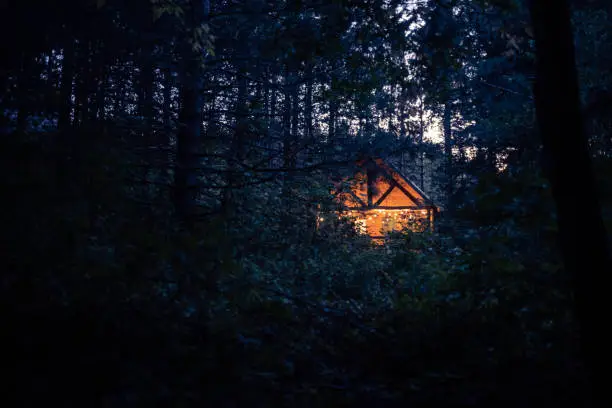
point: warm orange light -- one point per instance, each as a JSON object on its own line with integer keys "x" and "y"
{"x": 392, "y": 218}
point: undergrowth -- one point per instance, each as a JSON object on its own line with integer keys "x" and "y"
{"x": 107, "y": 302}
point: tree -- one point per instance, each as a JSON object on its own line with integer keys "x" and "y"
{"x": 188, "y": 144}
{"x": 583, "y": 237}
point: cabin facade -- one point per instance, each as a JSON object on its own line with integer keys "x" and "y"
{"x": 382, "y": 200}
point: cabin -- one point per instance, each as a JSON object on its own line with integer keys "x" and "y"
{"x": 382, "y": 200}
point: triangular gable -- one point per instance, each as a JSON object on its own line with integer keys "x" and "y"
{"x": 377, "y": 184}
{"x": 380, "y": 188}
{"x": 411, "y": 189}
{"x": 397, "y": 198}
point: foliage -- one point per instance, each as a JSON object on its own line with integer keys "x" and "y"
{"x": 250, "y": 300}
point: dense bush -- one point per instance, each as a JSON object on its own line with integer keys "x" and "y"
{"x": 108, "y": 302}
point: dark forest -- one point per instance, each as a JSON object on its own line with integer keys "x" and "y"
{"x": 176, "y": 173}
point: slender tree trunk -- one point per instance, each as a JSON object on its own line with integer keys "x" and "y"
{"x": 97, "y": 111}
{"x": 272, "y": 122}
{"x": 266, "y": 95}
{"x": 266, "y": 110}
{"x": 146, "y": 89}
{"x": 146, "y": 108}
{"x": 584, "y": 244}
{"x": 310, "y": 208}
{"x": 295, "y": 116}
{"x": 65, "y": 107}
{"x": 273, "y": 103}
{"x": 333, "y": 111}
{"x": 83, "y": 85}
{"x": 402, "y": 120}
{"x": 167, "y": 102}
{"x": 308, "y": 131}
{"x": 24, "y": 94}
{"x": 119, "y": 105}
{"x": 96, "y": 66}
{"x": 211, "y": 132}
{"x": 402, "y": 132}
{"x": 189, "y": 134}
{"x": 421, "y": 145}
{"x": 333, "y": 105}
{"x": 235, "y": 152}
{"x": 448, "y": 154}
{"x": 51, "y": 83}
{"x": 187, "y": 148}
{"x": 259, "y": 96}
{"x": 101, "y": 95}
{"x": 287, "y": 142}
{"x": 390, "y": 125}
{"x": 165, "y": 137}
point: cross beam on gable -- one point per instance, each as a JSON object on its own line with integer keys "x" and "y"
{"x": 340, "y": 190}
{"x": 398, "y": 185}
{"x": 385, "y": 194}
{"x": 359, "y": 200}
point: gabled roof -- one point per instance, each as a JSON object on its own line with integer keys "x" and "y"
{"x": 409, "y": 184}
{"x": 380, "y": 185}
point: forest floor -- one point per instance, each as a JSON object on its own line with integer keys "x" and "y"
{"x": 115, "y": 359}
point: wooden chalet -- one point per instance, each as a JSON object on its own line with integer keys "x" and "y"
{"x": 383, "y": 200}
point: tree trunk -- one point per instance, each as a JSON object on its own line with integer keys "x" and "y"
{"x": 266, "y": 95}
{"x": 83, "y": 85}
{"x": 295, "y": 116}
{"x": 24, "y": 94}
{"x": 211, "y": 129}
{"x": 448, "y": 154}
{"x": 273, "y": 102}
{"x": 333, "y": 105}
{"x": 65, "y": 108}
{"x": 97, "y": 109}
{"x": 287, "y": 142}
{"x": 146, "y": 110}
{"x": 308, "y": 131}
{"x": 190, "y": 118}
{"x": 119, "y": 105}
{"x": 272, "y": 121}
{"x": 51, "y": 84}
{"x": 235, "y": 153}
{"x": 146, "y": 91}
{"x": 164, "y": 137}
{"x": 333, "y": 111}
{"x": 583, "y": 239}
{"x": 101, "y": 95}
{"x": 167, "y": 102}
{"x": 421, "y": 146}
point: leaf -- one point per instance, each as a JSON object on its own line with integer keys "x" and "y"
{"x": 157, "y": 13}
